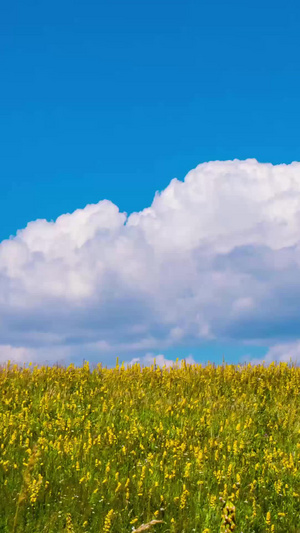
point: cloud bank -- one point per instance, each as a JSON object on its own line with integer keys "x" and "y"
{"x": 215, "y": 257}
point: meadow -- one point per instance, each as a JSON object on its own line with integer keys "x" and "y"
{"x": 207, "y": 449}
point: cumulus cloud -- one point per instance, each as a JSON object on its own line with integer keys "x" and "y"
{"x": 43, "y": 355}
{"x": 160, "y": 360}
{"x": 288, "y": 352}
{"x": 215, "y": 257}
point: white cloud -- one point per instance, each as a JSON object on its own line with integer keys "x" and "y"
{"x": 160, "y": 360}
{"x": 288, "y": 352}
{"x": 214, "y": 257}
{"x": 44, "y": 355}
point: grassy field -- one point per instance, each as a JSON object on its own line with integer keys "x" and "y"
{"x": 195, "y": 449}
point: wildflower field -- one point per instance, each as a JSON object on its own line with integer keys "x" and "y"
{"x": 189, "y": 448}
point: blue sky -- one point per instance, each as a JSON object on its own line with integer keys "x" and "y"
{"x": 112, "y": 100}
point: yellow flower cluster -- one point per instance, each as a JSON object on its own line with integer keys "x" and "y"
{"x": 188, "y": 448}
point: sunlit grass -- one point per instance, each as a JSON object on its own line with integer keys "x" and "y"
{"x": 191, "y": 448}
